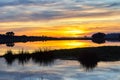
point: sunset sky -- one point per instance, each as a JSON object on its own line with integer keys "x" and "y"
{"x": 59, "y": 18}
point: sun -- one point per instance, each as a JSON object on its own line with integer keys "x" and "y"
{"x": 75, "y": 31}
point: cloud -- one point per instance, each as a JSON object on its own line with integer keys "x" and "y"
{"x": 40, "y": 10}
{"x": 24, "y": 2}
{"x": 117, "y": 5}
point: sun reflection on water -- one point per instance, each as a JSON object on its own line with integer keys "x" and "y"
{"x": 52, "y": 45}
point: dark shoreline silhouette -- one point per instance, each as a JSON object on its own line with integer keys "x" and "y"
{"x": 10, "y": 39}
{"x": 88, "y": 57}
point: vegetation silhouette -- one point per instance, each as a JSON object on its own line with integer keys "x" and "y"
{"x": 10, "y": 38}
{"x": 9, "y": 57}
{"x": 88, "y": 57}
{"x": 102, "y": 37}
{"x": 98, "y": 35}
{"x": 39, "y": 57}
{"x": 88, "y": 60}
{"x": 10, "y": 44}
{"x": 98, "y": 38}
{"x": 10, "y": 33}
{"x": 98, "y": 41}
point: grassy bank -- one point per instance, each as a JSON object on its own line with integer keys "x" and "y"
{"x": 88, "y": 57}
{"x": 100, "y": 51}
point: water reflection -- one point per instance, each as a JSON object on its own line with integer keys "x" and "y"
{"x": 88, "y": 60}
{"x": 41, "y": 58}
{"x": 52, "y": 45}
{"x": 88, "y": 57}
{"x": 10, "y": 44}
{"x": 98, "y": 41}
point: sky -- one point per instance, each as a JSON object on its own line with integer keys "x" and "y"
{"x": 59, "y": 18}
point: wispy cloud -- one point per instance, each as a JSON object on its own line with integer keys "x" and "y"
{"x": 30, "y": 10}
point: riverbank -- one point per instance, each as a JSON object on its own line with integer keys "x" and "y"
{"x": 88, "y": 57}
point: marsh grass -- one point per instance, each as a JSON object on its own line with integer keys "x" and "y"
{"x": 88, "y": 57}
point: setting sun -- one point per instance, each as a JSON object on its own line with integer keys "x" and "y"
{"x": 75, "y": 31}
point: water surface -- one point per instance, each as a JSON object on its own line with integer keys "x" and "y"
{"x": 57, "y": 69}
{"x": 51, "y": 45}
{"x": 61, "y": 70}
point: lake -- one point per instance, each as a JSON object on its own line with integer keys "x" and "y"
{"x": 57, "y": 69}
{"x": 52, "y": 45}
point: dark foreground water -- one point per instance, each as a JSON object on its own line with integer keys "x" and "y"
{"x": 60, "y": 70}
{"x": 57, "y": 69}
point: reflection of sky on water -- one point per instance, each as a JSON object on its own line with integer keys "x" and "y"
{"x": 50, "y": 45}
{"x": 60, "y": 70}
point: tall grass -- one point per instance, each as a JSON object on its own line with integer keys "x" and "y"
{"x": 88, "y": 57}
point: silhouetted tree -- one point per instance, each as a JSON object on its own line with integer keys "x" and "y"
{"x": 98, "y": 38}
{"x": 98, "y": 35}
{"x": 10, "y": 33}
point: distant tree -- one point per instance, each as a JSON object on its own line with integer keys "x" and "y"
{"x": 10, "y": 33}
{"x": 98, "y": 38}
{"x": 98, "y": 35}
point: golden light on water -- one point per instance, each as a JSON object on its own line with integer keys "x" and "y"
{"x": 75, "y": 44}
{"x": 47, "y": 45}
{"x": 52, "y": 45}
